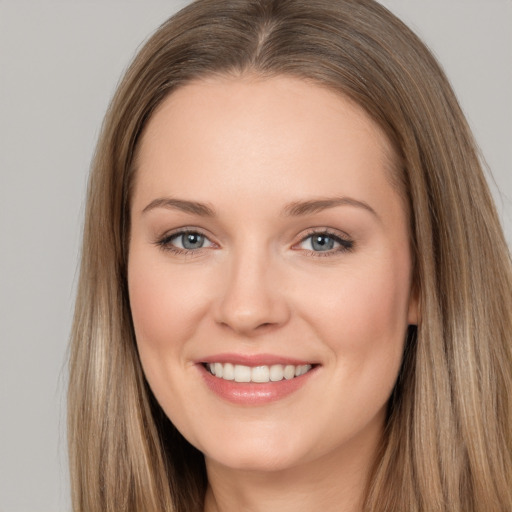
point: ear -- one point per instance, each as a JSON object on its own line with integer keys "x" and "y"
{"x": 414, "y": 311}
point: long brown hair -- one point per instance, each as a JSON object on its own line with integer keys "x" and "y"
{"x": 448, "y": 441}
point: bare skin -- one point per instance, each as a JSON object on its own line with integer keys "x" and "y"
{"x": 265, "y": 225}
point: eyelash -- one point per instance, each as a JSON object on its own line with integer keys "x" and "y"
{"x": 345, "y": 244}
{"x": 165, "y": 242}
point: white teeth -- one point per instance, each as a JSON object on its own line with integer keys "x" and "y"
{"x": 242, "y": 373}
{"x": 276, "y": 372}
{"x": 228, "y": 371}
{"x": 260, "y": 374}
{"x": 302, "y": 369}
{"x": 289, "y": 372}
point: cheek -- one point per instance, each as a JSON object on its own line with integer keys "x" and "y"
{"x": 163, "y": 303}
{"x": 376, "y": 295}
{"x": 163, "y": 308}
{"x": 151, "y": 305}
{"x": 364, "y": 324}
{"x": 362, "y": 314}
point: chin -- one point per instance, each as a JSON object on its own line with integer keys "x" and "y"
{"x": 259, "y": 460}
{"x": 256, "y": 453}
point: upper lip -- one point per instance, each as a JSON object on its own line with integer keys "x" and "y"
{"x": 254, "y": 359}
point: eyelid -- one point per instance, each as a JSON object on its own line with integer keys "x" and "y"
{"x": 164, "y": 241}
{"x": 346, "y": 243}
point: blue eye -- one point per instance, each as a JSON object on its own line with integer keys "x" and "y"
{"x": 322, "y": 242}
{"x": 185, "y": 241}
{"x": 325, "y": 242}
{"x": 189, "y": 241}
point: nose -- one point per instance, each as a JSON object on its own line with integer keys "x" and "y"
{"x": 252, "y": 299}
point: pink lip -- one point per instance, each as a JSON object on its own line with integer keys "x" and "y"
{"x": 250, "y": 393}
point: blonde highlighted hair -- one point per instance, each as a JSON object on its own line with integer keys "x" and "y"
{"x": 448, "y": 441}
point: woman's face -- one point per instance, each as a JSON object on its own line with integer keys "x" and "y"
{"x": 269, "y": 245}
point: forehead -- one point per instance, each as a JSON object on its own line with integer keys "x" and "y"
{"x": 248, "y": 129}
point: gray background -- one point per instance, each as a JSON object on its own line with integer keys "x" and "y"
{"x": 59, "y": 64}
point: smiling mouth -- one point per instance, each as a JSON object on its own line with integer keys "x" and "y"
{"x": 257, "y": 374}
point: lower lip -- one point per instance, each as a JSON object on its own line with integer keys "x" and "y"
{"x": 250, "y": 393}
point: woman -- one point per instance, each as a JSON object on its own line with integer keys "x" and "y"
{"x": 294, "y": 288}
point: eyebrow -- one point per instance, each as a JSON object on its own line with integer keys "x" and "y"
{"x": 294, "y": 209}
{"x": 300, "y": 208}
{"x": 170, "y": 203}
